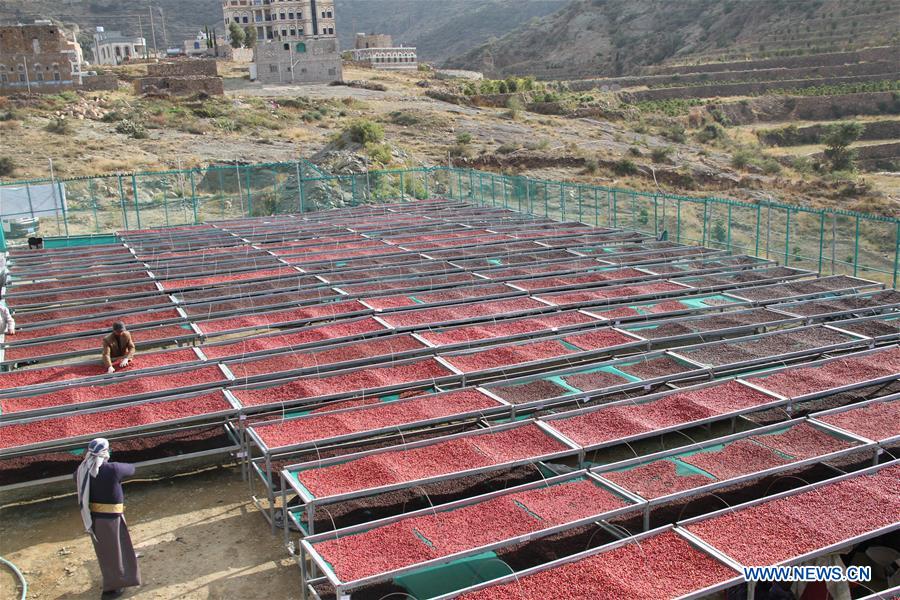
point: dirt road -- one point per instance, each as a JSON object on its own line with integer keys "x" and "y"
{"x": 199, "y": 536}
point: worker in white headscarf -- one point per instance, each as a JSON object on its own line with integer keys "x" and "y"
{"x": 102, "y": 503}
{"x": 7, "y": 323}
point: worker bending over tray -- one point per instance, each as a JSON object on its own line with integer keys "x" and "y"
{"x": 118, "y": 348}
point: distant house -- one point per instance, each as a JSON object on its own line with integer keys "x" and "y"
{"x": 309, "y": 61}
{"x": 114, "y": 48}
{"x": 37, "y": 57}
{"x": 387, "y": 58}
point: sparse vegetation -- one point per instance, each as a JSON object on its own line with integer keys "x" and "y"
{"x": 514, "y": 108}
{"x": 710, "y": 132}
{"x": 661, "y": 154}
{"x": 59, "y": 126}
{"x": 625, "y": 167}
{"x": 837, "y": 139}
{"x": 131, "y": 129}
{"x": 365, "y": 132}
{"x": 7, "y": 166}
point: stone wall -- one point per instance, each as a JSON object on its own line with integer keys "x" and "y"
{"x": 205, "y": 67}
{"x": 181, "y": 86}
{"x": 101, "y": 82}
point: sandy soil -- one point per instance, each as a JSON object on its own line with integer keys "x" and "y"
{"x": 199, "y": 535}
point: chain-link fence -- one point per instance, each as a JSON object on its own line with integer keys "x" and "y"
{"x": 84, "y": 208}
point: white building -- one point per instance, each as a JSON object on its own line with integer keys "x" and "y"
{"x": 114, "y": 48}
{"x": 286, "y": 20}
{"x": 387, "y": 58}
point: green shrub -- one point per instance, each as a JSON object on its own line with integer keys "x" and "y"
{"x": 59, "y": 126}
{"x": 661, "y": 154}
{"x": 365, "y": 132}
{"x": 7, "y": 166}
{"x": 712, "y": 131}
{"x": 226, "y": 124}
{"x": 404, "y": 118}
{"x": 464, "y": 138}
{"x": 380, "y": 153}
{"x": 514, "y": 108}
{"x": 635, "y": 151}
{"x": 131, "y": 129}
{"x": 625, "y": 167}
{"x": 740, "y": 159}
{"x": 540, "y": 145}
{"x": 770, "y": 166}
{"x": 209, "y": 110}
{"x": 508, "y": 148}
{"x": 675, "y": 133}
{"x": 459, "y": 151}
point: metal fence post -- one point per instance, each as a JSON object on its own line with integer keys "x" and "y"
{"x": 821, "y": 240}
{"x": 678, "y": 220}
{"x": 562, "y": 202}
{"x": 194, "y": 196}
{"x": 402, "y": 188}
{"x": 728, "y": 233}
{"x": 122, "y": 202}
{"x": 615, "y": 209}
{"x": 137, "y": 208}
{"x": 546, "y": 201}
{"x": 856, "y": 249}
{"x": 166, "y": 206}
{"x": 655, "y": 215}
{"x": 758, "y": 222}
{"x": 248, "y": 182}
{"x": 896, "y": 255}
{"x": 94, "y": 205}
{"x": 221, "y": 190}
{"x": 300, "y": 186}
{"x": 787, "y": 238}
{"x": 580, "y": 203}
{"x": 705, "y": 206}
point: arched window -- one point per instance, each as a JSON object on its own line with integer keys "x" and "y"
{"x": 300, "y": 47}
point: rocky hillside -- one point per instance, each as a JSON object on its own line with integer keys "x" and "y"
{"x": 439, "y": 28}
{"x": 616, "y": 37}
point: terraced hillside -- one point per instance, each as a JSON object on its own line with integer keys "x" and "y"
{"x": 591, "y": 38}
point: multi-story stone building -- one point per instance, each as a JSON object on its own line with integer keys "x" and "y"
{"x": 282, "y": 19}
{"x": 38, "y": 57}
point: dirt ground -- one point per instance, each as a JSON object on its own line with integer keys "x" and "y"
{"x": 199, "y": 536}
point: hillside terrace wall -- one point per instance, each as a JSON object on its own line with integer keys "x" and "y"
{"x": 833, "y": 58}
{"x": 807, "y": 108}
{"x": 760, "y": 75}
{"x": 874, "y": 130}
{"x": 747, "y": 89}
